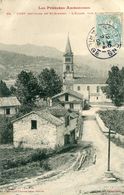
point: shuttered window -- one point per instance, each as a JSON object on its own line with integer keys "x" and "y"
{"x": 33, "y": 124}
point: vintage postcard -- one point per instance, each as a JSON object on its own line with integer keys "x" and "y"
{"x": 61, "y": 97}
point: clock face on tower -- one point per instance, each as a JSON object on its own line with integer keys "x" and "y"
{"x": 68, "y": 59}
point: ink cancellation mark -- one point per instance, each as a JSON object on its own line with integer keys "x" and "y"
{"x": 104, "y": 41}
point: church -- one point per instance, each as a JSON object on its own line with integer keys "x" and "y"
{"x": 89, "y": 88}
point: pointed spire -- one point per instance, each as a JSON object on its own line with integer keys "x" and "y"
{"x": 68, "y": 46}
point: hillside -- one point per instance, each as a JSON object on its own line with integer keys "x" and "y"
{"x": 32, "y": 50}
{"x": 34, "y": 57}
{"x": 12, "y": 63}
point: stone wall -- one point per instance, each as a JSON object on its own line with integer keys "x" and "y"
{"x": 101, "y": 124}
{"x": 44, "y": 136}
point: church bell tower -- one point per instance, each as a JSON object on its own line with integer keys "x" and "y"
{"x": 68, "y": 69}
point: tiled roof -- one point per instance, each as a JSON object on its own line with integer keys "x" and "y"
{"x": 9, "y": 101}
{"x": 74, "y": 101}
{"x": 58, "y": 111}
{"x": 73, "y": 115}
{"x": 50, "y": 118}
{"x": 44, "y": 115}
{"x": 70, "y": 92}
{"x": 87, "y": 80}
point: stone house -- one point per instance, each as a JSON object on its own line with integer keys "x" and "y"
{"x": 70, "y": 100}
{"x": 9, "y": 106}
{"x": 41, "y": 129}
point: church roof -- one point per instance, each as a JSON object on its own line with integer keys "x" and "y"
{"x": 87, "y": 80}
{"x": 68, "y": 49}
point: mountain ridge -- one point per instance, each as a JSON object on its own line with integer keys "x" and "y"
{"x": 14, "y": 58}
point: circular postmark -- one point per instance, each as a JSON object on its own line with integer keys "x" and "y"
{"x": 103, "y": 42}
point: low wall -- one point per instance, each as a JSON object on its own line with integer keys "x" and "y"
{"x": 101, "y": 124}
{"x": 120, "y": 137}
{"x": 105, "y": 130}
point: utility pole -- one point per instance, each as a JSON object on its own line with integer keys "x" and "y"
{"x": 109, "y": 149}
{"x": 109, "y": 176}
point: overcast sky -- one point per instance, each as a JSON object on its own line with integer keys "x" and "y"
{"x": 52, "y": 30}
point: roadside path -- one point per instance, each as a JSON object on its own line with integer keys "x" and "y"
{"x": 77, "y": 181}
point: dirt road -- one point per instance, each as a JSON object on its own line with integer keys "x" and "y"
{"x": 75, "y": 182}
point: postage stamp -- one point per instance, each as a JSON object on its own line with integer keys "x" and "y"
{"x": 105, "y": 39}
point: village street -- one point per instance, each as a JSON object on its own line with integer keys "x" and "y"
{"x": 91, "y": 178}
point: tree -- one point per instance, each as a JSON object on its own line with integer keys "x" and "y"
{"x": 4, "y": 90}
{"x": 26, "y": 88}
{"x": 6, "y": 130}
{"x": 115, "y": 88}
{"x": 49, "y": 83}
{"x": 13, "y": 90}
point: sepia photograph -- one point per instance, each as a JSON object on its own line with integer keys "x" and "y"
{"x": 61, "y": 97}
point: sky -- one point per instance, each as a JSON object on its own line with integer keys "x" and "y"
{"x": 20, "y": 27}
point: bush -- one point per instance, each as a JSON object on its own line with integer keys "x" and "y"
{"x": 45, "y": 165}
{"x": 39, "y": 155}
{"x": 6, "y": 131}
{"x": 114, "y": 120}
{"x": 16, "y": 162}
{"x": 86, "y": 105}
{"x": 117, "y": 142}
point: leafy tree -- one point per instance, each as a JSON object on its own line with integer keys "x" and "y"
{"x": 6, "y": 130}
{"x": 13, "y": 90}
{"x": 115, "y": 88}
{"x": 4, "y": 90}
{"x": 23, "y": 109}
{"x": 26, "y": 88}
{"x": 49, "y": 83}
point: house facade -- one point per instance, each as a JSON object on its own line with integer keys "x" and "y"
{"x": 89, "y": 87}
{"x": 70, "y": 119}
{"x": 41, "y": 129}
{"x": 38, "y": 130}
{"x": 69, "y": 99}
{"x": 9, "y": 106}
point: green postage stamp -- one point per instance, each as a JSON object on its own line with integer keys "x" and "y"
{"x": 105, "y": 39}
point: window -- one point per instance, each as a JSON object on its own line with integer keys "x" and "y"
{"x": 16, "y": 109}
{"x": 66, "y": 97}
{"x": 67, "y": 68}
{"x": 7, "y": 111}
{"x": 67, "y": 121}
{"x": 97, "y": 98}
{"x": 78, "y": 88}
{"x": 71, "y": 105}
{"x": 88, "y": 88}
{"x": 33, "y": 124}
{"x": 97, "y": 89}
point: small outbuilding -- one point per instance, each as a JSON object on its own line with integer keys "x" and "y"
{"x": 9, "y": 106}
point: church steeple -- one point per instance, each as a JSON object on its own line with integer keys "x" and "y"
{"x": 68, "y": 49}
{"x": 68, "y": 72}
